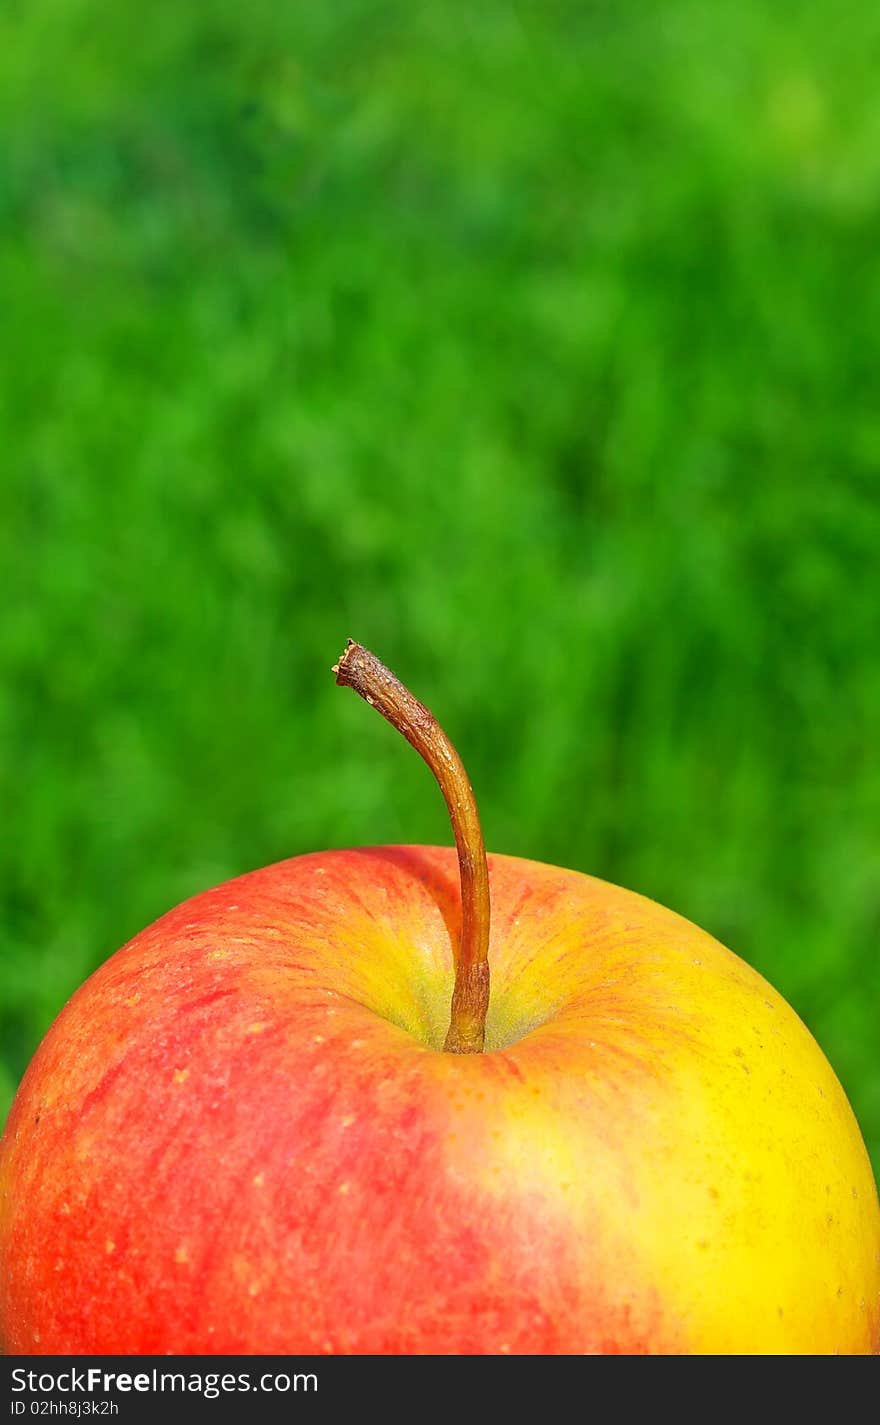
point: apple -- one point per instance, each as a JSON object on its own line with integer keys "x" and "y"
{"x": 260, "y": 1128}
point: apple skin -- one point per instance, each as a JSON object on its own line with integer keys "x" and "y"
{"x": 239, "y": 1136}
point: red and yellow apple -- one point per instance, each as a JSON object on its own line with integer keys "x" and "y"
{"x": 243, "y": 1134}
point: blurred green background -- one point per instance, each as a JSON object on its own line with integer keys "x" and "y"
{"x": 534, "y": 345}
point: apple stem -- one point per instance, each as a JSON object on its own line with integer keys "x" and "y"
{"x": 361, "y": 670}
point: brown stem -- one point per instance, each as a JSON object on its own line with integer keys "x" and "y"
{"x": 361, "y": 670}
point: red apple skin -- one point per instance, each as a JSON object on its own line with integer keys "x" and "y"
{"x": 240, "y": 1135}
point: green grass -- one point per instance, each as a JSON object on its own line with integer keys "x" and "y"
{"x": 534, "y": 345}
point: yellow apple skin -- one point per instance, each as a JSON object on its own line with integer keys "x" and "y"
{"x": 240, "y": 1135}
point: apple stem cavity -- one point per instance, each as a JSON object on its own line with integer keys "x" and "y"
{"x": 361, "y": 670}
